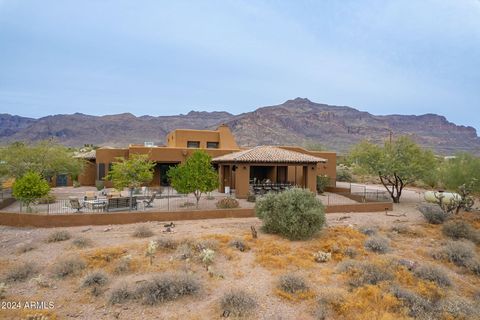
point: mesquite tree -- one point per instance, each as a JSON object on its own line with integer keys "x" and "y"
{"x": 397, "y": 164}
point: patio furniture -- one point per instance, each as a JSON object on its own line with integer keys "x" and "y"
{"x": 98, "y": 204}
{"x": 121, "y": 203}
{"x": 75, "y": 204}
{"x": 90, "y": 195}
{"x": 148, "y": 203}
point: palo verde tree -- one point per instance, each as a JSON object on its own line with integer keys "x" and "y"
{"x": 47, "y": 158}
{"x": 463, "y": 169}
{"x": 29, "y": 187}
{"x": 131, "y": 173}
{"x": 397, "y": 164}
{"x": 195, "y": 176}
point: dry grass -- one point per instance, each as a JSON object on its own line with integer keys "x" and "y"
{"x": 142, "y": 232}
{"x": 21, "y": 272}
{"x": 57, "y": 236}
{"x": 67, "y": 267}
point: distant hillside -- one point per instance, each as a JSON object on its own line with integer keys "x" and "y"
{"x": 298, "y": 122}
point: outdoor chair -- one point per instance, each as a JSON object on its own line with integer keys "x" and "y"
{"x": 90, "y": 195}
{"x": 148, "y": 203}
{"x": 75, "y": 204}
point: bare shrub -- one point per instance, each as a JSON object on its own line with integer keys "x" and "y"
{"x": 460, "y": 308}
{"x": 458, "y": 252}
{"x": 21, "y": 272}
{"x": 142, "y": 232}
{"x": 167, "y": 243}
{"x": 459, "y": 229}
{"x": 378, "y": 244}
{"x": 26, "y": 247}
{"x": 120, "y": 294}
{"x": 238, "y": 303}
{"x": 433, "y": 273}
{"x": 81, "y": 242}
{"x": 292, "y": 283}
{"x": 95, "y": 278}
{"x": 57, "y": 236}
{"x": 68, "y": 267}
{"x": 474, "y": 266}
{"x": 205, "y": 244}
{"x": 364, "y": 272}
{"x": 166, "y": 288}
{"x": 419, "y": 307}
{"x": 227, "y": 203}
{"x": 123, "y": 265}
{"x": 184, "y": 252}
{"x": 368, "y": 230}
{"x": 239, "y": 245}
{"x": 433, "y": 213}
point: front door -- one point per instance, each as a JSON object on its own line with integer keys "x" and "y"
{"x": 61, "y": 180}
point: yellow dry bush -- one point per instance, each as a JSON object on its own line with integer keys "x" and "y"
{"x": 295, "y": 297}
{"x": 101, "y": 257}
{"x": 371, "y": 302}
{"x": 405, "y": 277}
{"x": 223, "y": 239}
{"x": 429, "y": 290}
{"x": 29, "y": 314}
{"x": 276, "y": 253}
{"x": 336, "y": 240}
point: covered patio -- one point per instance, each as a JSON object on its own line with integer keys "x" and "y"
{"x": 266, "y": 168}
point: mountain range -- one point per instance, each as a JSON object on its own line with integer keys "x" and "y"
{"x": 295, "y": 122}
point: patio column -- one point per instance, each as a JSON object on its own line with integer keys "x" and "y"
{"x": 242, "y": 181}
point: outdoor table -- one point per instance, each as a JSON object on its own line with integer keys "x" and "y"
{"x": 96, "y": 204}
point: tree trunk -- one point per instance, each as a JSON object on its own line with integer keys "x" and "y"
{"x": 394, "y": 187}
{"x": 197, "y": 196}
{"x": 131, "y": 198}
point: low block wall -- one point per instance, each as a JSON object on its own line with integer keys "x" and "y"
{"x": 73, "y": 220}
{"x": 6, "y": 202}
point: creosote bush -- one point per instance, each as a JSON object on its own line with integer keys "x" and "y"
{"x": 238, "y": 303}
{"x": 120, "y": 294}
{"x": 68, "y": 267}
{"x": 81, "y": 242}
{"x": 295, "y": 214}
{"x": 95, "y": 278}
{"x": 292, "y": 283}
{"x": 166, "y": 288}
{"x": 142, "y": 232}
{"x": 433, "y": 213}
{"x": 459, "y": 229}
{"x": 458, "y": 252}
{"x": 363, "y": 272}
{"x": 57, "y": 236}
{"x": 378, "y": 244}
{"x": 227, "y": 203}
{"x": 21, "y": 272}
{"x": 433, "y": 273}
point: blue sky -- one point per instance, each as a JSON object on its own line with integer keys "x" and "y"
{"x": 169, "y": 57}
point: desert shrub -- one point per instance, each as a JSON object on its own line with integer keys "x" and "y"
{"x": 120, "y": 294}
{"x": 433, "y": 213}
{"x": 81, "y": 242}
{"x": 474, "y": 266}
{"x": 418, "y": 306}
{"x": 238, "y": 303}
{"x": 460, "y": 308}
{"x": 167, "y": 243}
{"x": 377, "y": 244}
{"x": 95, "y": 278}
{"x": 227, "y": 203}
{"x": 207, "y": 256}
{"x": 322, "y": 183}
{"x": 26, "y": 247}
{"x": 142, "y": 232}
{"x": 433, "y": 273}
{"x": 344, "y": 174}
{"x": 184, "y": 252}
{"x": 123, "y": 265}
{"x": 48, "y": 199}
{"x": 292, "y": 283}
{"x": 21, "y": 272}
{"x": 364, "y": 273}
{"x": 204, "y": 244}
{"x": 68, "y": 267}
{"x": 238, "y": 244}
{"x": 458, "y": 252}
{"x": 166, "y": 288}
{"x": 3, "y": 290}
{"x": 100, "y": 185}
{"x": 368, "y": 230}
{"x": 251, "y": 197}
{"x": 57, "y": 236}
{"x": 459, "y": 229}
{"x": 351, "y": 252}
{"x": 402, "y": 229}
{"x": 296, "y": 214}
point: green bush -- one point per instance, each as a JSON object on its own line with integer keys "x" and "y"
{"x": 29, "y": 187}
{"x": 344, "y": 174}
{"x": 100, "y": 185}
{"x": 459, "y": 229}
{"x": 227, "y": 203}
{"x": 296, "y": 213}
{"x": 322, "y": 183}
{"x": 48, "y": 199}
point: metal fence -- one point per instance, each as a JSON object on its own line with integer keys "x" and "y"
{"x": 5, "y": 194}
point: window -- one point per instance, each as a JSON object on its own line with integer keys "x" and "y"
{"x": 101, "y": 171}
{"x": 193, "y": 144}
{"x": 110, "y": 165}
{"x": 212, "y": 145}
